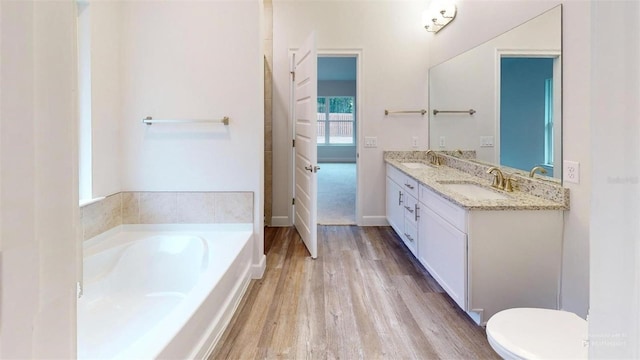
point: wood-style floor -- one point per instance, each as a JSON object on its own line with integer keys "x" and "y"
{"x": 364, "y": 297}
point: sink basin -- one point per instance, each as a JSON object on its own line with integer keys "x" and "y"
{"x": 415, "y": 165}
{"x": 474, "y": 191}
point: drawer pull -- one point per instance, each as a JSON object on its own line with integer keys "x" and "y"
{"x": 408, "y": 237}
{"x": 409, "y": 186}
{"x": 408, "y": 208}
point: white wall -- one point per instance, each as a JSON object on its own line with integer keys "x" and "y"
{"x": 186, "y": 60}
{"x": 614, "y": 316}
{"x": 106, "y": 96}
{"x": 394, "y": 76}
{"x": 39, "y": 188}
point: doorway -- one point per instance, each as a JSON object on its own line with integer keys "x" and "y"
{"x": 337, "y": 139}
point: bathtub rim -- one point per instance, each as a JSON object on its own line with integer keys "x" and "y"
{"x": 97, "y": 244}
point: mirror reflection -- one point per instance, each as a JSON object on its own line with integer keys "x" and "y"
{"x": 513, "y": 82}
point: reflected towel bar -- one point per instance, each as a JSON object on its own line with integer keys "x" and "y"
{"x": 422, "y": 112}
{"x": 149, "y": 121}
{"x": 470, "y": 111}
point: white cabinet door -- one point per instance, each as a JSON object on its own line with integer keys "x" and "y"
{"x": 443, "y": 252}
{"x": 395, "y": 206}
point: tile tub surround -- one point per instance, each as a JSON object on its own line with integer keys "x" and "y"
{"x": 166, "y": 208}
{"x": 528, "y": 194}
{"x": 101, "y": 216}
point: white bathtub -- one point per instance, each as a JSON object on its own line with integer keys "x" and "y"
{"x": 161, "y": 291}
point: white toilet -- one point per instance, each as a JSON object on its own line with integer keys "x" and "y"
{"x": 529, "y": 333}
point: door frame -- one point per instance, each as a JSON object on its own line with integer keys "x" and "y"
{"x": 556, "y": 55}
{"x": 332, "y": 52}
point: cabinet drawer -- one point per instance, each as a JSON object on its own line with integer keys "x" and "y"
{"x": 410, "y": 185}
{"x": 396, "y": 175}
{"x": 406, "y": 182}
{"x": 455, "y": 215}
{"x": 410, "y": 206}
{"x": 410, "y": 235}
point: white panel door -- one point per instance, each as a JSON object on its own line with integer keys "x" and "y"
{"x": 305, "y": 89}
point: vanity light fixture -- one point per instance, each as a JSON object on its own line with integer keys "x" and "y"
{"x": 439, "y": 15}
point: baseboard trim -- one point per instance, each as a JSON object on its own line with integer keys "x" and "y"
{"x": 280, "y": 221}
{"x": 374, "y": 221}
{"x": 257, "y": 270}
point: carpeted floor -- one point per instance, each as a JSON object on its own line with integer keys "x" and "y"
{"x": 337, "y": 194}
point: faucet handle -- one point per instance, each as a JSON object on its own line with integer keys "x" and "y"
{"x": 508, "y": 183}
{"x": 496, "y": 182}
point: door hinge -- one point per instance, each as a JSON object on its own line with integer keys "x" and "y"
{"x": 293, "y": 75}
{"x": 293, "y": 143}
{"x": 293, "y": 201}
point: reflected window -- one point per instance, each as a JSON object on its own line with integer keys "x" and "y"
{"x": 548, "y": 122}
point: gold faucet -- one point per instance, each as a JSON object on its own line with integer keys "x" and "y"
{"x": 498, "y": 177}
{"x": 537, "y": 168}
{"x": 508, "y": 183}
{"x": 435, "y": 159}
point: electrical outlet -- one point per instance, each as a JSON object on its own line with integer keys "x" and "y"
{"x": 571, "y": 171}
{"x": 486, "y": 141}
{"x": 414, "y": 141}
{"x": 443, "y": 141}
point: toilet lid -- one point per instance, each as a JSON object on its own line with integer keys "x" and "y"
{"x": 530, "y": 333}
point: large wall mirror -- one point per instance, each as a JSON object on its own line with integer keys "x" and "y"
{"x": 513, "y": 82}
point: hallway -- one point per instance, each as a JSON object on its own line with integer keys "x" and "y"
{"x": 364, "y": 297}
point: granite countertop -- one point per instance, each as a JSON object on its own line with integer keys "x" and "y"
{"x": 433, "y": 176}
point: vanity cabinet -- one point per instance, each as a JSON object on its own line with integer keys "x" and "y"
{"x": 395, "y": 206}
{"x": 402, "y": 207}
{"x": 442, "y": 244}
{"x": 491, "y": 260}
{"x": 487, "y": 259}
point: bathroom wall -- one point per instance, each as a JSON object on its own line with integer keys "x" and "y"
{"x": 181, "y": 60}
{"x": 106, "y": 97}
{"x": 614, "y": 315}
{"x": 38, "y": 184}
{"x": 394, "y": 76}
{"x": 476, "y": 22}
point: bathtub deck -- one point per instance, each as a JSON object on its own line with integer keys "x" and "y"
{"x": 364, "y": 297}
